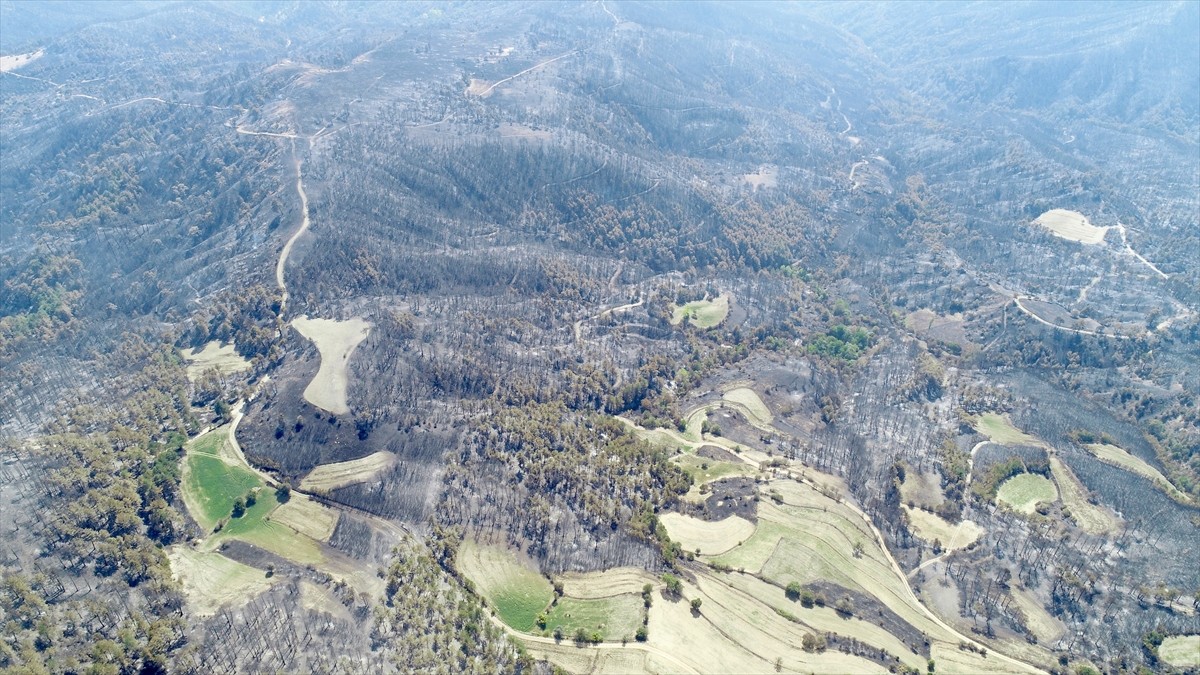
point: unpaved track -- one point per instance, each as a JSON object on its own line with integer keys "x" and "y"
{"x": 510, "y": 78}
{"x": 287, "y": 248}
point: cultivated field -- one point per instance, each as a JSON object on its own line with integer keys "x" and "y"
{"x": 586, "y": 585}
{"x": 210, "y": 580}
{"x": 702, "y": 313}
{"x": 1092, "y": 518}
{"x": 211, "y": 482}
{"x": 1025, "y": 491}
{"x": 749, "y": 400}
{"x": 1071, "y": 225}
{"x": 1001, "y": 430}
{"x": 307, "y": 517}
{"x": 1120, "y": 457}
{"x": 518, "y": 592}
{"x": 335, "y": 340}
{"x": 707, "y": 537}
{"x": 214, "y": 355}
{"x": 614, "y": 618}
{"x": 341, "y": 474}
{"x": 932, "y": 527}
{"x": 1037, "y": 619}
{"x": 1181, "y": 651}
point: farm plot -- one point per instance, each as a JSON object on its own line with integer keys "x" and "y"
{"x": 210, "y": 580}
{"x": 335, "y": 341}
{"x": 1181, "y": 651}
{"x": 1001, "y": 430}
{"x": 702, "y": 313}
{"x": 749, "y": 400}
{"x": 211, "y": 483}
{"x": 307, "y": 517}
{"x": 615, "y": 617}
{"x": 707, "y": 537}
{"x": 341, "y": 474}
{"x": 932, "y": 527}
{"x": 1090, "y": 517}
{"x": 1025, "y": 491}
{"x": 1071, "y": 225}
{"x": 705, "y": 470}
{"x": 224, "y": 358}
{"x": 517, "y": 591}
{"x": 1120, "y": 457}
{"x": 617, "y": 581}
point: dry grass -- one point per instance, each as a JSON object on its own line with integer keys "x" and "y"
{"x": 1071, "y": 225}
{"x": 1091, "y": 518}
{"x": 1120, "y": 457}
{"x": 932, "y": 527}
{"x": 753, "y": 404}
{"x": 479, "y": 88}
{"x": 210, "y": 580}
{"x": 710, "y": 538}
{"x": 951, "y": 659}
{"x": 15, "y": 61}
{"x": 341, "y": 474}
{"x": 214, "y": 355}
{"x": 510, "y": 130}
{"x": 1025, "y": 491}
{"x": 922, "y": 489}
{"x": 1001, "y": 430}
{"x": 335, "y": 340}
{"x": 1181, "y": 651}
{"x": 617, "y": 581}
{"x": 1037, "y": 619}
{"x": 307, "y": 517}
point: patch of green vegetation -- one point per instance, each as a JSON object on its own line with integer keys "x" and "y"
{"x": 704, "y": 470}
{"x": 518, "y": 593}
{"x": 986, "y": 484}
{"x": 1026, "y": 491}
{"x": 212, "y": 485}
{"x": 702, "y": 313}
{"x": 610, "y": 618}
{"x": 1181, "y": 651}
{"x": 1000, "y": 430}
{"x": 842, "y": 342}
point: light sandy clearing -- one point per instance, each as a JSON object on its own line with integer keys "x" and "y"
{"x": 341, "y": 474}
{"x": 307, "y": 517}
{"x": 478, "y": 87}
{"x": 921, "y": 489}
{"x": 710, "y": 538}
{"x": 1071, "y": 225}
{"x": 752, "y": 402}
{"x": 767, "y": 176}
{"x": 590, "y": 585}
{"x": 214, "y": 355}
{"x": 1037, "y": 619}
{"x": 335, "y": 340}
{"x": 15, "y": 61}
{"x": 210, "y": 580}
{"x": 1181, "y": 651}
{"x": 318, "y": 599}
{"x": 932, "y": 527}
{"x": 509, "y": 130}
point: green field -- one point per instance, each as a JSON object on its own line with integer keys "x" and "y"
{"x": 1181, "y": 651}
{"x": 1122, "y": 458}
{"x": 703, "y": 470}
{"x": 752, "y": 404}
{"x": 614, "y": 618}
{"x": 702, "y": 313}
{"x": 1025, "y": 491}
{"x": 517, "y": 592}
{"x": 211, "y": 484}
{"x": 1001, "y": 430}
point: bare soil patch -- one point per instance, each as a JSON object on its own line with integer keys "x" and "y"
{"x": 335, "y": 340}
{"x": 1071, "y": 225}
{"x": 214, "y": 355}
{"x": 15, "y": 61}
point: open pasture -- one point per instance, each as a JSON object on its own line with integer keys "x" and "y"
{"x": 517, "y": 591}
{"x": 710, "y": 538}
{"x": 614, "y": 617}
{"x": 998, "y": 428}
{"x": 702, "y": 313}
{"x": 340, "y": 474}
{"x": 750, "y": 401}
{"x": 307, "y": 517}
{"x": 932, "y": 527}
{"x": 1025, "y": 491}
{"x": 616, "y": 581}
{"x": 335, "y": 341}
{"x": 1037, "y": 619}
{"x": 1071, "y": 225}
{"x": 1181, "y": 651}
{"x": 210, "y": 580}
{"x": 214, "y": 355}
{"x": 211, "y": 483}
{"x": 1092, "y": 518}
{"x": 1122, "y": 458}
